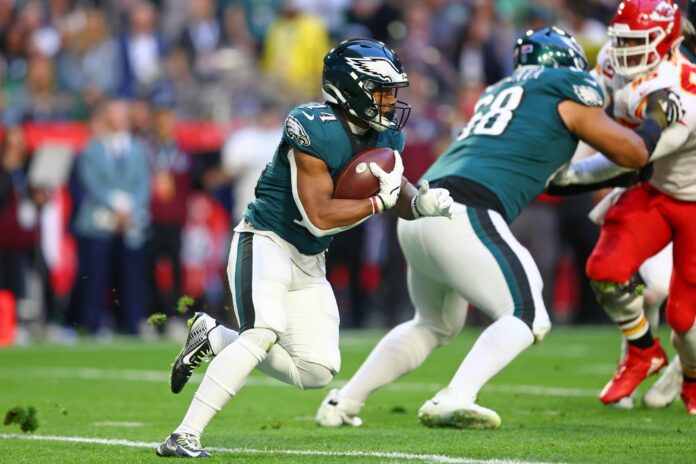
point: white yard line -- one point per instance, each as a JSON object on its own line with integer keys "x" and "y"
{"x": 438, "y": 458}
{"x": 135, "y": 375}
{"x": 117, "y": 424}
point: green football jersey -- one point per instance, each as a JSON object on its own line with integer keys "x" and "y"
{"x": 318, "y": 130}
{"x": 516, "y": 139}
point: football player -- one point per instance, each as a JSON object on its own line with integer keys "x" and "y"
{"x": 525, "y": 128}
{"x": 644, "y": 58}
{"x": 285, "y": 307}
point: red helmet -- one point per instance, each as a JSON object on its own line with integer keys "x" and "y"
{"x": 643, "y": 32}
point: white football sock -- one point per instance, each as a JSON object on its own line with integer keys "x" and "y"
{"x": 403, "y": 349}
{"x": 685, "y": 343}
{"x": 497, "y": 346}
{"x": 224, "y": 377}
{"x": 220, "y": 337}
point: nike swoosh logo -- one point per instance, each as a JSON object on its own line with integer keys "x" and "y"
{"x": 308, "y": 115}
{"x": 187, "y": 358}
{"x": 655, "y": 364}
{"x": 193, "y": 454}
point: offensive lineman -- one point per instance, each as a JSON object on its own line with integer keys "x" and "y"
{"x": 285, "y": 307}
{"x": 643, "y": 59}
{"x": 526, "y": 127}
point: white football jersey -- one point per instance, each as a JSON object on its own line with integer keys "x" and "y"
{"x": 675, "y": 156}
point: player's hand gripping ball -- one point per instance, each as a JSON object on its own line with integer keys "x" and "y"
{"x": 356, "y": 181}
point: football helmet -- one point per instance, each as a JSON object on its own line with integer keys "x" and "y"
{"x": 354, "y": 70}
{"x": 643, "y": 32}
{"x": 550, "y": 47}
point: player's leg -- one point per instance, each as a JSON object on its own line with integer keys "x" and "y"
{"x": 440, "y": 314}
{"x": 681, "y": 306}
{"x": 656, "y": 272}
{"x": 498, "y": 276}
{"x": 634, "y": 229}
{"x": 306, "y": 354}
{"x": 206, "y": 338}
{"x": 260, "y": 273}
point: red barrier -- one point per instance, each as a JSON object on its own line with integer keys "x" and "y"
{"x": 8, "y": 318}
{"x": 193, "y": 136}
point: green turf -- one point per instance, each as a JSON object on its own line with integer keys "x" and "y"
{"x": 88, "y": 389}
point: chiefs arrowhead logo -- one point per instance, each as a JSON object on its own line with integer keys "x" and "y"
{"x": 664, "y": 11}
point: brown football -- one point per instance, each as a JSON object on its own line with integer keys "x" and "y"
{"x": 356, "y": 181}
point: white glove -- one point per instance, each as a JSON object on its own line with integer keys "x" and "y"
{"x": 431, "y": 202}
{"x": 389, "y": 183}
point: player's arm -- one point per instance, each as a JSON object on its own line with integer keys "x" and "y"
{"x": 592, "y": 125}
{"x": 625, "y": 147}
{"x": 313, "y": 189}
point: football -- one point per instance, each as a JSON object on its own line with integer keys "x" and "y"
{"x": 356, "y": 181}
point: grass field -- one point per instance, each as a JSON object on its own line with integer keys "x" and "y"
{"x": 112, "y": 404}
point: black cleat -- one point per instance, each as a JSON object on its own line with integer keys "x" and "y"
{"x": 196, "y": 351}
{"x": 182, "y": 445}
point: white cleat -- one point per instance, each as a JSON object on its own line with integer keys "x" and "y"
{"x": 335, "y": 411}
{"x": 627, "y": 402}
{"x": 447, "y": 409}
{"x": 667, "y": 388}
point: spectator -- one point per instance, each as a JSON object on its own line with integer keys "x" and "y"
{"x": 112, "y": 221}
{"x": 293, "y": 52}
{"x": 171, "y": 185}
{"x": 89, "y": 66}
{"x": 245, "y": 154}
{"x": 13, "y": 59}
{"x": 201, "y": 37}
{"x": 143, "y": 52}
{"x": 476, "y": 57}
{"x": 376, "y": 19}
{"x": 39, "y": 99}
{"x": 259, "y": 15}
{"x": 18, "y": 215}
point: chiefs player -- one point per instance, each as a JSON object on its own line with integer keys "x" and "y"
{"x": 644, "y": 58}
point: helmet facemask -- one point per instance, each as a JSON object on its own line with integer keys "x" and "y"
{"x": 634, "y": 52}
{"x": 366, "y": 104}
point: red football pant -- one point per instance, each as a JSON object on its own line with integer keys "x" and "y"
{"x": 637, "y": 227}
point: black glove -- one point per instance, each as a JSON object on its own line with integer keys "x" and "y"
{"x": 664, "y": 107}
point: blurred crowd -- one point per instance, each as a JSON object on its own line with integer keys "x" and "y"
{"x": 133, "y": 133}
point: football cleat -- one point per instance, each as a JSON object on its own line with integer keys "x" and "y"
{"x": 688, "y": 394}
{"x": 627, "y": 402}
{"x": 636, "y": 366}
{"x": 667, "y": 387}
{"x": 447, "y": 409}
{"x": 335, "y": 411}
{"x": 182, "y": 445}
{"x": 195, "y": 352}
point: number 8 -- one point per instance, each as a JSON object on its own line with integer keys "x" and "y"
{"x": 499, "y": 114}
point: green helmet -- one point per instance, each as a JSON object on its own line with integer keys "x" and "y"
{"x": 354, "y": 70}
{"x": 550, "y": 47}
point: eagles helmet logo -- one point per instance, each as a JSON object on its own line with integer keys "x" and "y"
{"x": 377, "y": 67}
{"x": 296, "y": 131}
{"x": 588, "y": 95}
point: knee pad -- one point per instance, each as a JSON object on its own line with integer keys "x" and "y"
{"x": 258, "y": 341}
{"x": 313, "y": 375}
{"x": 621, "y": 301}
